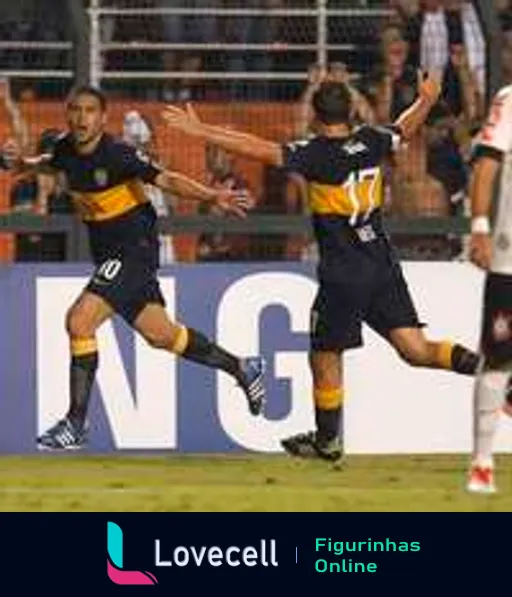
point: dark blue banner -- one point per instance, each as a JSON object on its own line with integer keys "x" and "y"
{"x": 235, "y": 554}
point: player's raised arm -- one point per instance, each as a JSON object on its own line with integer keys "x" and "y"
{"x": 14, "y": 159}
{"x": 481, "y": 187}
{"x": 235, "y": 202}
{"x": 411, "y": 120}
{"x": 136, "y": 165}
{"x": 244, "y": 144}
{"x": 492, "y": 144}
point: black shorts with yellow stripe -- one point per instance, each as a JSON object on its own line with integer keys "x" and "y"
{"x": 127, "y": 281}
{"x": 364, "y": 283}
{"x": 126, "y": 254}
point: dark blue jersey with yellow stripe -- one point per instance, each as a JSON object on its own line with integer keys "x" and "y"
{"x": 345, "y": 186}
{"x": 107, "y": 188}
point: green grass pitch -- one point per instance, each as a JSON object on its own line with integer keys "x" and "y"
{"x": 243, "y": 483}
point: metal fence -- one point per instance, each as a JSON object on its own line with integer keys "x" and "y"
{"x": 77, "y": 248}
{"x": 324, "y": 32}
{"x": 319, "y": 17}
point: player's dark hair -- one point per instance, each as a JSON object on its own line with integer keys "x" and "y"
{"x": 332, "y": 103}
{"x": 88, "y": 90}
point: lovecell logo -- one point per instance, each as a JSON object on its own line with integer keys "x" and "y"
{"x": 116, "y": 573}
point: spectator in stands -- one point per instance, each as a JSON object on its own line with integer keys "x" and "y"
{"x": 473, "y": 40}
{"x": 130, "y": 30}
{"x": 51, "y": 196}
{"x": 451, "y": 126}
{"x": 137, "y": 131}
{"x": 431, "y": 32}
{"x": 35, "y": 20}
{"x": 391, "y": 86}
{"x": 504, "y": 10}
{"x": 412, "y": 191}
{"x": 437, "y": 27}
{"x": 461, "y": 90}
{"x": 262, "y": 30}
{"x": 221, "y": 173}
{"x": 187, "y": 29}
{"x": 41, "y": 194}
{"x": 336, "y": 71}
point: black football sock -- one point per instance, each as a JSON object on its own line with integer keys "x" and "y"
{"x": 464, "y": 361}
{"x": 200, "y": 350}
{"x": 328, "y": 413}
{"x": 81, "y": 377}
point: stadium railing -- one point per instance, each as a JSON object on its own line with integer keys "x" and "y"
{"x": 320, "y": 47}
{"x": 77, "y": 243}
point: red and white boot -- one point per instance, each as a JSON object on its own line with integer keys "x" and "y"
{"x": 481, "y": 477}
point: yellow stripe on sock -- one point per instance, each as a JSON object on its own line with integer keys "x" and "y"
{"x": 328, "y": 398}
{"x": 181, "y": 342}
{"x": 445, "y": 351}
{"x": 83, "y": 346}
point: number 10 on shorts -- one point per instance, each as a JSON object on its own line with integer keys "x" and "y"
{"x": 109, "y": 269}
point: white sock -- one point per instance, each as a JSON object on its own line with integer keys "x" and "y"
{"x": 489, "y": 394}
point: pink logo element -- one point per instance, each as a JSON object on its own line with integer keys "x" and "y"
{"x": 129, "y": 577}
{"x": 115, "y": 569}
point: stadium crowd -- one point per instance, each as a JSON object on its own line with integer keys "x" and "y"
{"x": 430, "y": 176}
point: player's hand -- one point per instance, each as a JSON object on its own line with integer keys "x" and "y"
{"x": 430, "y": 85}
{"x": 192, "y": 114}
{"x": 316, "y": 75}
{"x": 178, "y": 118}
{"x": 236, "y": 202}
{"x": 480, "y": 250}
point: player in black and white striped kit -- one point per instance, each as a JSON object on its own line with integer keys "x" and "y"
{"x": 492, "y": 251}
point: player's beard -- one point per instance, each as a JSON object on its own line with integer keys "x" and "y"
{"x": 89, "y": 139}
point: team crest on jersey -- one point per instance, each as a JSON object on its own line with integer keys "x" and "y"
{"x": 101, "y": 177}
{"x": 501, "y": 327}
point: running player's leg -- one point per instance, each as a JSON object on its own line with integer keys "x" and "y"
{"x": 413, "y": 347}
{"x": 116, "y": 279}
{"x": 82, "y": 321}
{"x": 492, "y": 386}
{"x": 393, "y": 315}
{"x": 488, "y": 395}
{"x": 153, "y": 323}
{"x": 335, "y": 327}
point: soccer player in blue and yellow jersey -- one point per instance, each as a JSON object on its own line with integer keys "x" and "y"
{"x": 360, "y": 278}
{"x": 105, "y": 178}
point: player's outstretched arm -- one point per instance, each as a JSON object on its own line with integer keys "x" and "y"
{"x": 244, "y": 144}
{"x": 481, "y": 188}
{"x": 235, "y": 202}
{"x": 412, "y": 119}
{"x": 15, "y": 159}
